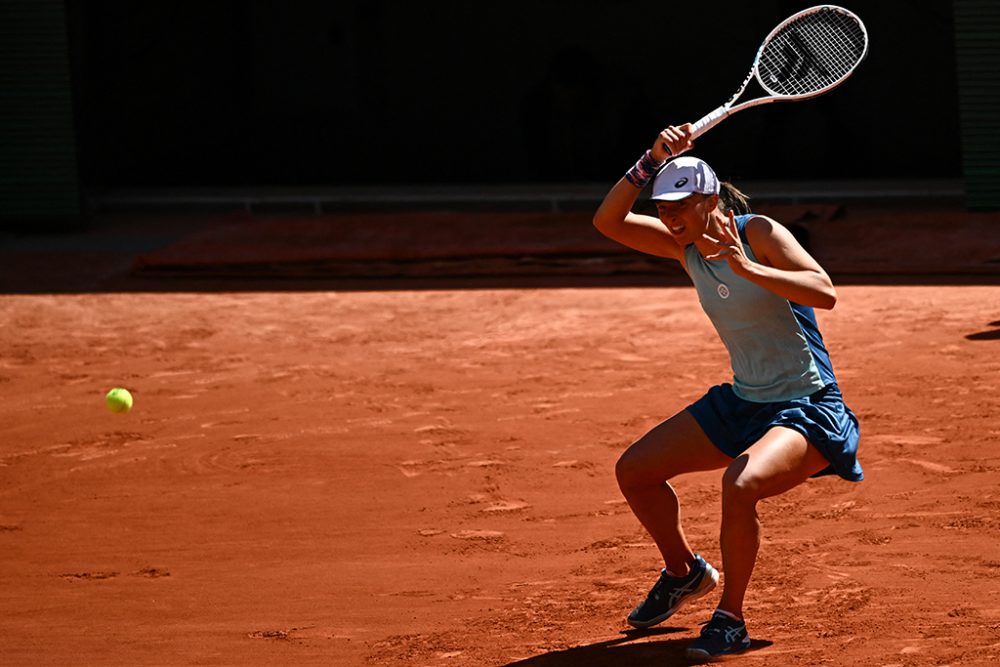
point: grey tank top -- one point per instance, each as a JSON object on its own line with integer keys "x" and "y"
{"x": 775, "y": 347}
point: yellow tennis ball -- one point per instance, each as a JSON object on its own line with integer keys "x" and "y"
{"x": 119, "y": 400}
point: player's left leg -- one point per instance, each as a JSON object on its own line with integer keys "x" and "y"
{"x": 776, "y": 463}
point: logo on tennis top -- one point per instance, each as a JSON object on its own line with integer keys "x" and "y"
{"x": 681, "y": 183}
{"x": 724, "y": 290}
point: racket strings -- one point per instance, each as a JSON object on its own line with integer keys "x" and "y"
{"x": 811, "y": 54}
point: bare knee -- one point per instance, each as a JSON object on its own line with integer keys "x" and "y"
{"x": 740, "y": 490}
{"x": 633, "y": 473}
{"x": 628, "y": 471}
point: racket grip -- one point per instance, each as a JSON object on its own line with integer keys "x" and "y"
{"x": 708, "y": 122}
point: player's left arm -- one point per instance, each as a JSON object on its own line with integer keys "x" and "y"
{"x": 783, "y": 266}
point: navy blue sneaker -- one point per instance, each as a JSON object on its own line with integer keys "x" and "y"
{"x": 671, "y": 593}
{"x": 721, "y": 635}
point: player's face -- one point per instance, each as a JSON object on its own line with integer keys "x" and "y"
{"x": 686, "y": 219}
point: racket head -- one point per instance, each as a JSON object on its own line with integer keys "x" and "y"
{"x": 811, "y": 52}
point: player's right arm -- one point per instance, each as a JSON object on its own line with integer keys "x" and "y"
{"x": 614, "y": 217}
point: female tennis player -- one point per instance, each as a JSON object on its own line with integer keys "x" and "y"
{"x": 782, "y": 419}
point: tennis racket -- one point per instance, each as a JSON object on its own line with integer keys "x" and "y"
{"x": 806, "y": 55}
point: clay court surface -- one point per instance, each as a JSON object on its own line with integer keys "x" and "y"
{"x": 425, "y": 477}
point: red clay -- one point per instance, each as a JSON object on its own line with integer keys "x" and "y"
{"x": 426, "y": 478}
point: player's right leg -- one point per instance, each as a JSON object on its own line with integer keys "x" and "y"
{"x": 675, "y": 447}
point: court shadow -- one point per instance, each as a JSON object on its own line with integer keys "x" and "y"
{"x": 992, "y": 334}
{"x": 616, "y": 652}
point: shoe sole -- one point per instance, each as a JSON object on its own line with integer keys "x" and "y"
{"x": 699, "y": 655}
{"x": 708, "y": 582}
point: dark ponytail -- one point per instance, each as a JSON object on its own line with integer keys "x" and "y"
{"x": 732, "y": 199}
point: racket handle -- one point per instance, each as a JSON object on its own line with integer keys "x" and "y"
{"x": 708, "y": 122}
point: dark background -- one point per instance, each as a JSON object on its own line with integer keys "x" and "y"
{"x": 371, "y": 92}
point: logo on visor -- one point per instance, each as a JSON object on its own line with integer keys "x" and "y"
{"x": 681, "y": 183}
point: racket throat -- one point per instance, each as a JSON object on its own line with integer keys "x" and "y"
{"x": 712, "y": 119}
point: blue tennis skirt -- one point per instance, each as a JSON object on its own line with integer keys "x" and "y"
{"x": 734, "y": 424}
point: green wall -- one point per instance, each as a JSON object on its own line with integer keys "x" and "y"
{"x": 38, "y": 165}
{"x": 977, "y": 50}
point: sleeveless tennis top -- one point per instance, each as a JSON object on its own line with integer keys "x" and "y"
{"x": 775, "y": 346}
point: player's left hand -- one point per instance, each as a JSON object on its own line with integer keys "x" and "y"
{"x": 730, "y": 247}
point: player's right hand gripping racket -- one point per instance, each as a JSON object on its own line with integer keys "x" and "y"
{"x": 806, "y": 55}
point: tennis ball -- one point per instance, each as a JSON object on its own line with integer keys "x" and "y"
{"x": 119, "y": 400}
